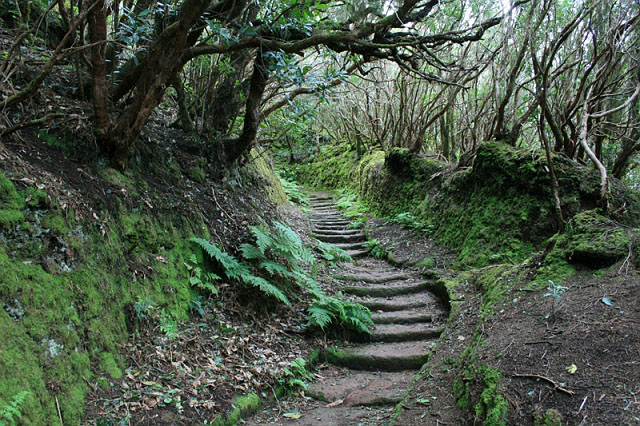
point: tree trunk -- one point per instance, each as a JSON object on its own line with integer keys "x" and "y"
{"x": 162, "y": 65}
{"x": 98, "y": 34}
{"x": 184, "y": 121}
{"x": 236, "y": 147}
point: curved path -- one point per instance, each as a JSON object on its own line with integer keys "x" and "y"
{"x": 365, "y": 380}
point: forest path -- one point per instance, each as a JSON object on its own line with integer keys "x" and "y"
{"x": 362, "y": 382}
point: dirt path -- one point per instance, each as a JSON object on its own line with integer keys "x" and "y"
{"x": 362, "y": 382}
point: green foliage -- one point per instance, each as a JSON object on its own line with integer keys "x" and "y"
{"x": 168, "y": 325}
{"x": 11, "y": 412}
{"x": 331, "y": 253}
{"x": 555, "y": 291}
{"x": 410, "y": 221}
{"x": 200, "y": 279}
{"x": 294, "y": 191}
{"x": 376, "y": 249}
{"x": 236, "y": 270}
{"x": 295, "y": 376}
{"x": 335, "y": 310}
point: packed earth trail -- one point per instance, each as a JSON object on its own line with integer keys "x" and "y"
{"x": 363, "y": 381}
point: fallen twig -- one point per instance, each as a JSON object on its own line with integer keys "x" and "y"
{"x": 553, "y": 382}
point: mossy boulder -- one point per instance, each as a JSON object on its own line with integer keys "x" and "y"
{"x": 595, "y": 241}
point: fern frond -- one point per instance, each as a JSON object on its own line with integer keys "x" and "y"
{"x": 231, "y": 266}
{"x": 319, "y": 316}
{"x": 274, "y": 268}
{"x": 251, "y": 252}
{"x": 291, "y": 237}
{"x": 12, "y": 411}
{"x": 263, "y": 239}
{"x": 332, "y": 253}
{"x": 266, "y": 287}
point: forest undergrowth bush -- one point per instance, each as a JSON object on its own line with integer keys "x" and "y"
{"x": 275, "y": 264}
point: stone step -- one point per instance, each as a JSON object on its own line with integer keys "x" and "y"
{"x": 330, "y": 225}
{"x": 348, "y": 238}
{"x": 358, "y": 388}
{"x": 325, "y": 209}
{"x": 322, "y": 204}
{"x": 374, "y": 278}
{"x": 405, "y": 332}
{"x": 320, "y": 198}
{"x": 405, "y": 316}
{"x": 397, "y": 303}
{"x": 336, "y": 228}
{"x": 382, "y": 356}
{"x": 357, "y": 253}
{"x": 351, "y": 246}
{"x": 392, "y": 288}
{"x": 338, "y": 232}
{"x": 331, "y": 213}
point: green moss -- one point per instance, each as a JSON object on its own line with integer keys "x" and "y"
{"x": 11, "y": 203}
{"x": 122, "y": 180}
{"x": 243, "y": 406}
{"x": 263, "y": 169}
{"x": 55, "y": 223}
{"x": 36, "y": 198}
{"x": 108, "y": 365}
{"x": 428, "y": 262}
{"x": 10, "y": 218}
{"x": 492, "y": 407}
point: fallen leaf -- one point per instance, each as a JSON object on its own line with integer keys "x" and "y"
{"x": 336, "y": 403}
{"x": 572, "y": 368}
{"x": 149, "y": 383}
{"x": 292, "y": 415}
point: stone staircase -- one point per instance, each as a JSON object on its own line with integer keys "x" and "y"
{"x": 365, "y": 380}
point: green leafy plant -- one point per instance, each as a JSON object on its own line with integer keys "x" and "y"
{"x": 331, "y": 253}
{"x": 168, "y": 325}
{"x": 240, "y": 271}
{"x": 328, "y": 310}
{"x": 295, "y": 376}
{"x": 11, "y": 412}
{"x": 294, "y": 191}
{"x": 200, "y": 279}
{"x": 555, "y": 291}
{"x": 281, "y": 255}
{"x": 143, "y": 307}
{"x": 410, "y": 221}
{"x": 376, "y": 249}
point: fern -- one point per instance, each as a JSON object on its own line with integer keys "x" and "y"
{"x": 236, "y": 270}
{"x": 232, "y": 268}
{"x": 329, "y": 309}
{"x": 332, "y": 253}
{"x": 12, "y": 411}
{"x": 294, "y": 192}
{"x": 266, "y": 287}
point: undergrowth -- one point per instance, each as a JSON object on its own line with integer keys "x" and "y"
{"x": 275, "y": 264}
{"x": 11, "y": 412}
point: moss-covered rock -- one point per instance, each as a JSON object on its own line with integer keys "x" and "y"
{"x": 594, "y": 241}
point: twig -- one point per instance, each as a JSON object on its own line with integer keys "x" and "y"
{"x": 584, "y": 401}
{"x": 554, "y": 383}
{"x": 221, "y": 209}
{"x": 29, "y": 123}
{"x": 58, "y": 408}
{"x": 91, "y": 385}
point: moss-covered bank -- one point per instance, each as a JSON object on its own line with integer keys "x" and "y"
{"x": 499, "y": 210}
{"x": 69, "y": 286}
